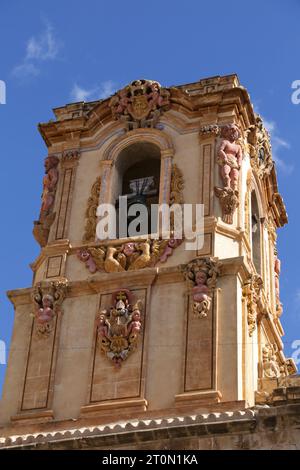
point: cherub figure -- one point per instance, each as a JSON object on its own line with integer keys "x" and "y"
{"x": 135, "y": 325}
{"x": 201, "y": 295}
{"x": 230, "y": 156}
{"x": 129, "y": 249}
{"x": 49, "y": 183}
{"x": 200, "y": 291}
{"x": 102, "y": 325}
{"x": 123, "y": 101}
{"x": 45, "y": 313}
{"x": 155, "y": 98}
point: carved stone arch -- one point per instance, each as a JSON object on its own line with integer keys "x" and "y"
{"x": 110, "y": 158}
{"x": 155, "y": 136}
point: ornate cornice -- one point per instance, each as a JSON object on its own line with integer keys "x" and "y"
{"x": 83, "y": 120}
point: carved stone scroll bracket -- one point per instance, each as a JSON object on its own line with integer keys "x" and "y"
{"x": 91, "y": 211}
{"x": 259, "y": 144}
{"x": 70, "y": 158}
{"x": 47, "y": 299}
{"x": 210, "y": 130}
{"x": 252, "y": 295}
{"x": 119, "y": 327}
{"x": 229, "y": 201}
{"x": 201, "y": 275}
{"x": 177, "y": 185}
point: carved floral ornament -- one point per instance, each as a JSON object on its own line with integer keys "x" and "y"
{"x": 70, "y": 156}
{"x": 119, "y": 327}
{"x": 259, "y": 145}
{"x": 131, "y": 255}
{"x": 201, "y": 275}
{"x": 140, "y": 104}
{"x": 91, "y": 211}
{"x": 210, "y": 129}
{"x": 47, "y": 300}
{"x": 252, "y": 295}
{"x": 272, "y": 367}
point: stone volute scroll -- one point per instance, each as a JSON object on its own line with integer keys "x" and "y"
{"x": 201, "y": 275}
{"x": 119, "y": 327}
{"x": 229, "y": 159}
{"x": 277, "y": 269}
{"x": 47, "y": 298}
{"x": 140, "y": 104}
{"x": 91, "y": 212}
{"x": 260, "y": 149}
{"x": 47, "y": 215}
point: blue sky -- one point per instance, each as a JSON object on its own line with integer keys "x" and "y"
{"x": 56, "y": 52}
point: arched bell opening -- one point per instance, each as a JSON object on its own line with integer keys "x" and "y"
{"x": 137, "y": 178}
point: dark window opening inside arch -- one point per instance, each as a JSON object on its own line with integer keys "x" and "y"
{"x": 140, "y": 181}
{"x": 256, "y": 233}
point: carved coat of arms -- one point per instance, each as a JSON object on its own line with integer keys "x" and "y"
{"x": 140, "y": 103}
{"x": 119, "y": 327}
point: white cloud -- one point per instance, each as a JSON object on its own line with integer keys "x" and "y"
{"x": 38, "y": 49}
{"x": 107, "y": 89}
{"x": 277, "y": 145}
{"x": 104, "y": 90}
{"x": 45, "y": 47}
{"x": 81, "y": 94}
{"x": 25, "y": 70}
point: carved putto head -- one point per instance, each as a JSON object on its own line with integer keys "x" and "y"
{"x": 51, "y": 162}
{"x": 201, "y": 274}
{"x": 47, "y": 300}
{"x": 230, "y": 132}
{"x": 201, "y": 277}
{"x": 202, "y": 271}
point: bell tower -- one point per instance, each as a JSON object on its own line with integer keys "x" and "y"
{"x": 135, "y": 326}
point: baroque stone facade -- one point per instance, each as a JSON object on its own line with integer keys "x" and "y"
{"x": 163, "y": 334}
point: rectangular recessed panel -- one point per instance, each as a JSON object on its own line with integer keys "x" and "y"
{"x": 206, "y": 196}
{"x": 54, "y": 266}
{"x": 110, "y": 382}
{"x": 207, "y": 245}
{"x": 38, "y": 372}
{"x": 65, "y": 197}
{"x": 199, "y": 361}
